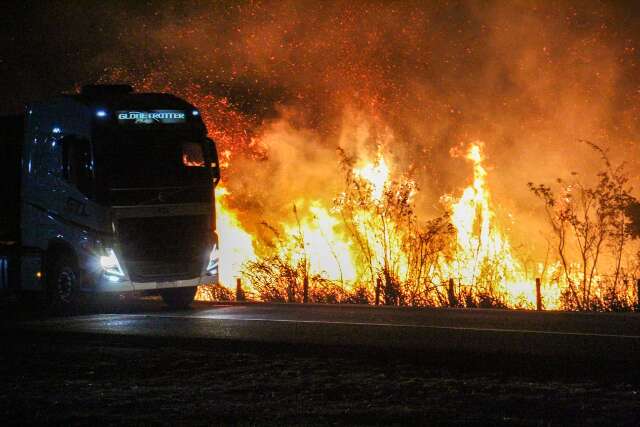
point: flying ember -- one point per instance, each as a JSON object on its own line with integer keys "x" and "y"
{"x": 334, "y": 149}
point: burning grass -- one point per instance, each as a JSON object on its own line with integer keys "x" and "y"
{"x": 368, "y": 242}
{"x": 370, "y": 246}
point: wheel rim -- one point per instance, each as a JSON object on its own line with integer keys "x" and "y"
{"x": 64, "y": 286}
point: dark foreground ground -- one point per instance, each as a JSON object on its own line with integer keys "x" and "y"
{"x": 67, "y": 378}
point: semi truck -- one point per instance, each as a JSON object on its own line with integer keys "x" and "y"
{"x": 107, "y": 191}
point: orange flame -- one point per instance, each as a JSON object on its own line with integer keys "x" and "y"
{"x": 236, "y": 244}
{"x": 483, "y": 254}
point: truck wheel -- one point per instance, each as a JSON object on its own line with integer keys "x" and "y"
{"x": 63, "y": 284}
{"x": 179, "y": 297}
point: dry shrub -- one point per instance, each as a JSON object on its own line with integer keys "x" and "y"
{"x": 214, "y": 292}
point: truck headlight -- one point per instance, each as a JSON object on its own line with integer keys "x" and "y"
{"x": 212, "y": 266}
{"x": 111, "y": 266}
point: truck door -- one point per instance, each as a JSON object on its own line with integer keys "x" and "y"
{"x": 78, "y": 172}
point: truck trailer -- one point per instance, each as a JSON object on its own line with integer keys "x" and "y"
{"x": 107, "y": 191}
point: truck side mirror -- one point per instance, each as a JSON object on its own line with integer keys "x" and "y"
{"x": 215, "y": 164}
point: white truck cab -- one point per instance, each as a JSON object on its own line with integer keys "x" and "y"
{"x": 114, "y": 193}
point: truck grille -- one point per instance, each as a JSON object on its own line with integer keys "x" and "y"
{"x": 153, "y": 271}
{"x": 164, "y": 248}
{"x": 133, "y": 197}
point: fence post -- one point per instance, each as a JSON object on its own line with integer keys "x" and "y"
{"x": 239, "y": 290}
{"x": 538, "y": 295}
{"x": 305, "y": 290}
{"x": 451, "y": 292}
{"x": 378, "y": 285}
{"x": 387, "y": 290}
{"x": 291, "y": 296}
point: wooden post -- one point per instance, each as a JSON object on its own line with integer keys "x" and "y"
{"x": 305, "y": 290}
{"x": 291, "y": 297}
{"x": 387, "y": 290}
{"x": 451, "y": 292}
{"x": 638, "y": 295}
{"x": 378, "y": 286}
{"x": 239, "y": 291}
{"x": 538, "y": 295}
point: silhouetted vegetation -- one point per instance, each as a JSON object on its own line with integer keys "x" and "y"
{"x": 402, "y": 259}
{"x": 593, "y": 230}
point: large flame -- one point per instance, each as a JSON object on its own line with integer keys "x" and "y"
{"x": 324, "y": 248}
{"x": 483, "y": 254}
{"x": 236, "y": 244}
{"x": 482, "y": 257}
{"x": 376, "y": 174}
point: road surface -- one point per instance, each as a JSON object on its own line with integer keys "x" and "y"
{"x": 316, "y": 365}
{"x": 611, "y": 337}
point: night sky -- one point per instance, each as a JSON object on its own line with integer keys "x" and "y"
{"x": 53, "y": 46}
{"x": 529, "y": 78}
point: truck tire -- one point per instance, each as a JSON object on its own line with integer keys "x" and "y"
{"x": 179, "y": 298}
{"x": 63, "y": 284}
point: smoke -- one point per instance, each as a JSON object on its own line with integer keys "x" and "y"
{"x": 300, "y": 79}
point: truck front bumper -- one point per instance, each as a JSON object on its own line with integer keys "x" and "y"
{"x": 122, "y": 286}
{"x": 109, "y": 275}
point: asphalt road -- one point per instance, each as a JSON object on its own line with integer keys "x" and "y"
{"x": 610, "y": 337}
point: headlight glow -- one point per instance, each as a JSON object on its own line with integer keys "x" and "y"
{"x": 110, "y": 264}
{"x": 212, "y": 266}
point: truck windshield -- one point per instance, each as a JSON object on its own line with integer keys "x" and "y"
{"x": 171, "y": 159}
